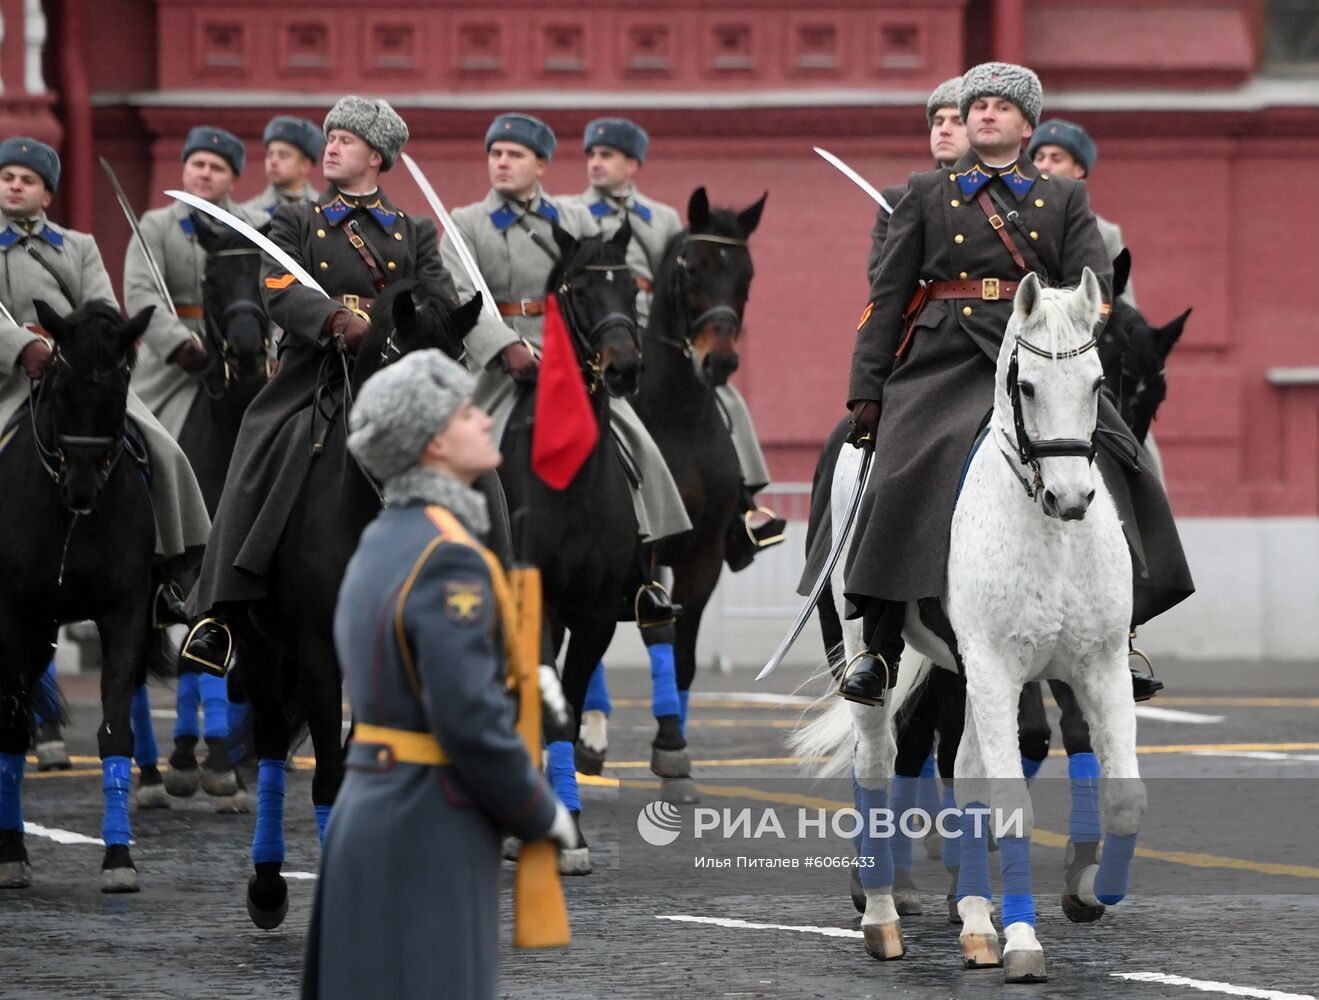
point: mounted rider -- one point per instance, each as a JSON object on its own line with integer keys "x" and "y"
{"x": 173, "y": 354}
{"x": 293, "y": 147}
{"x": 510, "y": 235}
{"x": 64, "y": 269}
{"x": 355, "y": 241}
{"x": 926, "y": 349}
{"x": 615, "y": 151}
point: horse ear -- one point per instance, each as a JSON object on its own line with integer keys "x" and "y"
{"x": 1027, "y": 299}
{"x": 1121, "y": 272}
{"x": 1165, "y": 338}
{"x": 404, "y": 310}
{"x": 464, "y": 317}
{"x": 132, "y": 331}
{"x": 51, "y": 321}
{"x": 749, "y": 218}
{"x": 564, "y": 239}
{"x": 1088, "y": 299}
{"x": 623, "y": 237}
{"x": 698, "y": 210}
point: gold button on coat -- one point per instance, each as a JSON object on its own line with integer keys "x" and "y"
{"x": 962, "y": 274}
{"x": 954, "y": 203}
{"x": 966, "y": 310}
{"x": 325, "y": 266}
{"x": 391, "y": 265}
{"x": 959, "y": 238}
{"x": 398, "y": 236}
{"x": 1039, "y": 202}
{"x": 1034, "y": 235}
{"x": 320, "y": 233}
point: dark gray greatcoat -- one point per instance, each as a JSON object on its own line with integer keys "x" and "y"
{"x": 879, "y": 233}
{"x": 273, "y": 453}
{"x": 935, "y": 397}
{"x": 408, "y": 897}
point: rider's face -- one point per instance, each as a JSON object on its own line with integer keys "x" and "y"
{"x": 208, "y": 176}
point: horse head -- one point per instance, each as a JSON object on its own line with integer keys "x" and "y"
{"x": 597, "y": 297}
{"x": 1046, "y": 400}
{"x": 411, "y": 316}
{"x": 709, "y": 272}
{"x": 236, "y": 324}
{"x": 80, "y": 405}
{"x": 1141, "y": 385}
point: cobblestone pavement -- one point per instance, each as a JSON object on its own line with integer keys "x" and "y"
{"x": 1209, "y": 919}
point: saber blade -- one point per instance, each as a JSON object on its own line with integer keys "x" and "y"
{"x": 841, "y": 534}
{"x": 855, "y": 178}
{"x": 152, "y": 267}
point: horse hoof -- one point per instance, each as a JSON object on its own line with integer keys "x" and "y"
{"x": 670, "y": 763}
{"x": 575, "y": 861}
{"x": 1024, "y": 966}
{"x": 906, "y": 897}
{"x": 219, "y": 784}
{"x": 52, "y": 755}
{"x": 233, "y": 805}
{"x": 151, "y": 797}
{"x": 588, "y": 760}
{"x": 980, "y": 951}
{"x": 119, "y": 880}
{"x": 15, "y": 875}
{"x": 182, "y": 784}
{"x": 858, "y": 893}
{"x": 884, "y": 941}
{"x": 679, "y": 791}
{"x": 269, "y": 912}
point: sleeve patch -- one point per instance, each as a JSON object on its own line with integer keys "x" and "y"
{"x": 464, "y": 601}
{"x": 283, "y": 281}
{"x": 865, "y": 315}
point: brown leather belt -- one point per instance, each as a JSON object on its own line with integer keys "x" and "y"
{"x": 523, "y": 307}
{"x": 189, "y": 312}
{"x": 357, "y": 303}
{"x": 985, "y": 289}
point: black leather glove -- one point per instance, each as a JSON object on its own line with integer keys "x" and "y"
{"x": 865, "y": 421}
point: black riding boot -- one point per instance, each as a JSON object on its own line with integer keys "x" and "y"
{"x": 754, "y": 528}
{"x": 167, "y": 605}
{"x": 871, "y": 674}
{"x": 210, "y": 643}
{"x": 1144, "y": 685}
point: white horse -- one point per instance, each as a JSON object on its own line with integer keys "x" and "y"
{"x": 1038, "y": 586}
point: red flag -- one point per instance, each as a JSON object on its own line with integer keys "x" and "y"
{"x": 565, "y": 431}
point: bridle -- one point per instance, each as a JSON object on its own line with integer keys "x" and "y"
{"x": 714, "y": 313}
{"x": 54, "y": 459}
{"x": 587, "y": 354}
{"x": 1029, "y": 453}
{"x": 215, "y": 334}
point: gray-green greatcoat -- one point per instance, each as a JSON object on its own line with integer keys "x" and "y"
{"x": 181, "y": 522}
{"x": 935, "y": 397}
{"x": 167, "y": 389}
{"x": 654, "y": 225}
{"x": 272, "y": 197}
{"x": 516, "y": 268}
{"x": 273, "y": 453}
{"x": 407, "y": 904}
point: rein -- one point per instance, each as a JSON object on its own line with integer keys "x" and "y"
{"x": 587, "y": 355}
{"x": 54, "y": 458}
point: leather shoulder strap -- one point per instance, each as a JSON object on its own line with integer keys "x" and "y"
{"x": 1000, "y": 226}
{"x": 368, "y": 255}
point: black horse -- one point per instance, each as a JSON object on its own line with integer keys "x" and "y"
{"x": 583, "y": 538}
{"x": 80, "y": 536}
{"x": 286, "y": 655}
{"x": 690, "y": 347}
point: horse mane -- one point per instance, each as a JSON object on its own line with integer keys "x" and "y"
{"x": 89, "y": 344}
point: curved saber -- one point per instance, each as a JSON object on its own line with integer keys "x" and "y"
{"x": 244, "y": 229}
{"x": 855, "y": 178}
{"x": 131, "y": 216}
{"x": 841, "y": 534}
{"x": 446, "y": 220}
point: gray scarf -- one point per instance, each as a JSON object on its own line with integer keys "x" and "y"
{"x": 427, "y": 486}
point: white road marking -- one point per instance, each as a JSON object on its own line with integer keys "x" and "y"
{"x": 839, "y": 932}
{"x": 1291, "y": 758}
{"x": 763, "y": 697}
{"x": 1173, "y": 715}
{"x": 1209, "y": 986}
{"x": 302, "y": 876}
{"x": 60, "y": 836}
{"x": 164, "y": 713}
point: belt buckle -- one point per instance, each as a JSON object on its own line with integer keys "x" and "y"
{"x": 996, "y": 221}
{"x": 989, "y": 289}
{"x": 522, "y": 304}
{"x": 354, "y": 304}
{"x": 356, "y": 240}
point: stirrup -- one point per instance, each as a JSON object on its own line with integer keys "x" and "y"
{"x": 657, "y": 599}
{"x": 167, "y": 593}
{"x": 1151, "y": 683}
{"x": 847, "y": 672}
{"x": 774, "y": 523}
{"x": 218, "y": 669}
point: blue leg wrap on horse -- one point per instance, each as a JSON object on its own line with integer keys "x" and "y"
{"x": 973, "y": 876}
{"x": 663, "y": 680}
{"x": 1014, "y": 864}
{"x": 268, "y": 837}
{"x": 1083, "y": 770}
{"x": 12, "y": 766}
{"x": 322, "y": 820}
{"x": 870, "y": 803}
{"x": 186, "y": 700}
{"x": 116, "y": 782}
{"x": 215, "y": 704}
{"x": 905, "y": 791}
{"x": 562, "y": 773}
{"x": 145, "y": 750}
{"x": 238, "y": 712}
{"x": 928, "y": 795}
{"x": 952, "y": 846}
{"x": 1114, "y": 868}
{"x": 1031, "y": 767}
{"x": 50, "y": 693}
{"x": 597, "y": 694}
{"x": 684, "y": 699}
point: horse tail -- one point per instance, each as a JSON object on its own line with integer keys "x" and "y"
{"x": 160, "y": 657}
{"x": 826, "y": 745}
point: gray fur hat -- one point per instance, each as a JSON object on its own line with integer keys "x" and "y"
{"x": 1071, "y": 136}
{"x": 225, "y": 145}
{"x": 945, "y": 96}
{"x": 374, "y": 120}
{"x": 1006, "y": 80}
{"x": 530, "y": 132}
{"x": 298, "y": 132}
{"x": 622, "y": 134}
{"x": 41, "y": 159}
{"x": 401, "y": 407}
